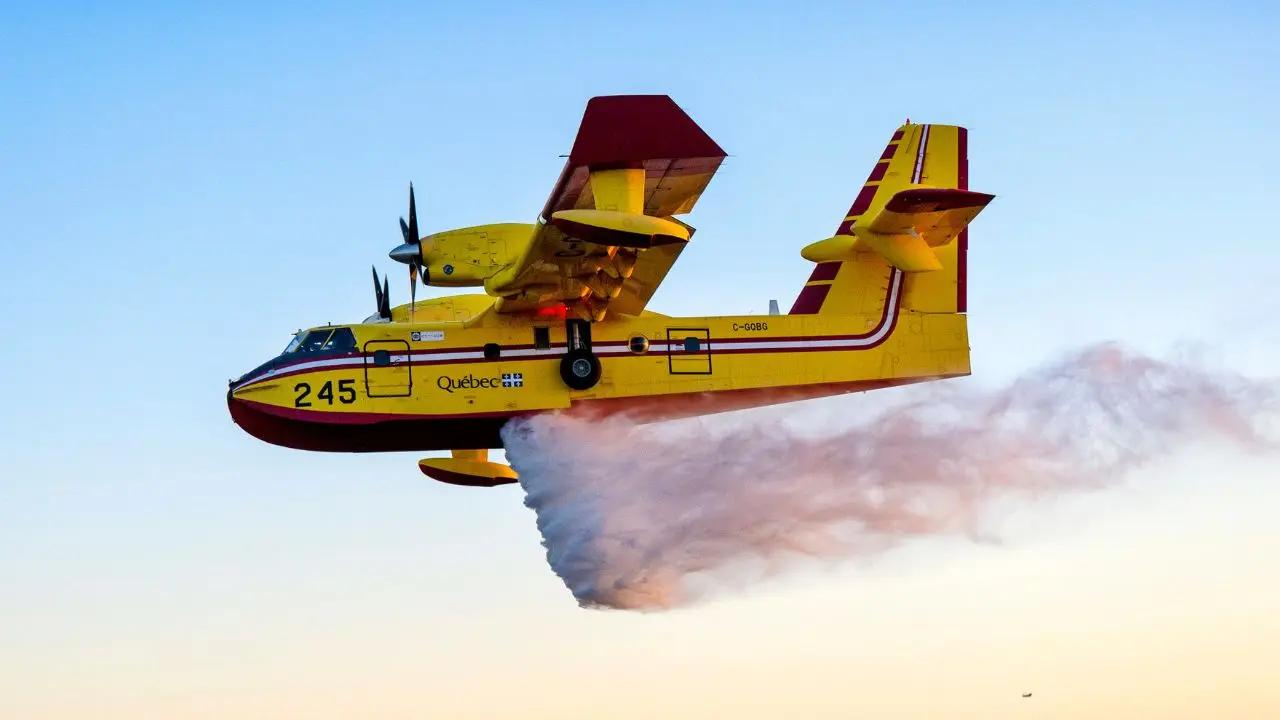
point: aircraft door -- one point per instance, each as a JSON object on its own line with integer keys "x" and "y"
{"x": 689, "y": 351}
{"x": 387, "y": 372}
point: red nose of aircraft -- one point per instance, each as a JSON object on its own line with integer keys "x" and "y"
{"x": 255, "y": 419}
{"x": 309, "y": 429}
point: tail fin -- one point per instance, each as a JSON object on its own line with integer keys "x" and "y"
{"x": 910, "y": 217}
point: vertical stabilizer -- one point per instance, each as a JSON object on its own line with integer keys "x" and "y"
{"x": 910, "y": 217}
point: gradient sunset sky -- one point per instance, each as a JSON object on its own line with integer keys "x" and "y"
{"x": 184, "y": 185}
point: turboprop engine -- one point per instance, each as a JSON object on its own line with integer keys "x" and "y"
{"x": 615, "y": 227}
{"x": 465, "y": 257}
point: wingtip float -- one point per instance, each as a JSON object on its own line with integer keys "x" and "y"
{"x": 562, "y": 322}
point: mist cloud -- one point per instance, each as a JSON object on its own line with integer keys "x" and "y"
{"x": 632, "y": 514}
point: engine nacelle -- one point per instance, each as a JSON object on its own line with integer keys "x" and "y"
{"x": 466, "y": 257}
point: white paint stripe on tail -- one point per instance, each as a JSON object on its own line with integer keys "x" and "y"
{"x": 924, "y": 143}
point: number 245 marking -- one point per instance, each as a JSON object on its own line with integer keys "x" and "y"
{"x": 346, "y": 393}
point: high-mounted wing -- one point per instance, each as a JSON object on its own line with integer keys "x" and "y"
{"x": 606, "y": 237}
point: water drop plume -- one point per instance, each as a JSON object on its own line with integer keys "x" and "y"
{"x": 652, "y": 516}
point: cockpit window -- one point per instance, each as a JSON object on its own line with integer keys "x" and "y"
{"x": 294, "y": 343}
{"x": 342, "y": 340}
{"x": 309, "y": 342}
{"x": 326, "y": 340}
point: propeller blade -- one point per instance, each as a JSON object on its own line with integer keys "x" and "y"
{"x": 381, "y": 296}
{"x": 413, "y": 288}
{"x": 410, "y": 251}
{"x": 413, "y": 218}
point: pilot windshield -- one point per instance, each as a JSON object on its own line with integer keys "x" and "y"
{"x": 294, "y": 343}
{"x": 314, "y": 340}
{"x": 342, "y": 341}
{"x": 327, "y": 340}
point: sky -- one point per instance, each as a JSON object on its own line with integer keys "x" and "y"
{"x": 184, "y": 185}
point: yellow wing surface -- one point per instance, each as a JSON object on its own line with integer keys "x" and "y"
{"x": 607, "y": 236}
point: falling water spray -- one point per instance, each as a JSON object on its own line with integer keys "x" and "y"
{"x": 630, "y": 514}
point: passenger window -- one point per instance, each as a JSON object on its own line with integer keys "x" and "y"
{"x": 342, "y": 341}
{"x": 691, "y": 344}
{"x": 381, "y": 358}
{"x": 492, "y": 351}
{"x": 542, "y": 338}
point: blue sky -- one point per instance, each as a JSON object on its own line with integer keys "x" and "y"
{"x": 181, "y": 187}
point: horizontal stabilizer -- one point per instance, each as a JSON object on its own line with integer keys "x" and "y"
{"x": 935, "y": 214}
{"x": 906, "y": 230}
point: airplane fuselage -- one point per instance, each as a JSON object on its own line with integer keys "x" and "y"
{"x": 452, "y": 385}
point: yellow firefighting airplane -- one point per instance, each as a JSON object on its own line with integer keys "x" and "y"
{"x": 563, "y": 324}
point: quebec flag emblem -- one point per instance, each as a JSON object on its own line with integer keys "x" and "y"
{"x": 512, "y": 380}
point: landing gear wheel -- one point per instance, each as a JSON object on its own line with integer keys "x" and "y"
{"x": 580, "y": 369}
